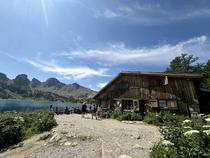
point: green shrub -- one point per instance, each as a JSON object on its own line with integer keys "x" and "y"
{"x": 189, "y": 138}
{"x": 124, "y": 116}
{"x": 9, "y": 135}
{"x": 116, "y": 114}
{"x": 161, "y": 151}
{"x": 136, "y": 117}
{"x": 43, "y": 121}
{"x": 17, "y": 127}
{"x": 153, "y": 118}
{"x": 106, "y": 114}
{"x": 130, "y": 117}
{"x": 164, "y": 119}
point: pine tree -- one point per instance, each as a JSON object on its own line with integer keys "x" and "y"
{"x": 185, "y": 64}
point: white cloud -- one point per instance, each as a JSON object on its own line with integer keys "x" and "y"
{"x": 66, "y": 72}
{"x": 101, "y": 85}
{"x": 110, "y": 14}
{"x": 149, "y": 14}
{"x": 161, "y": 54}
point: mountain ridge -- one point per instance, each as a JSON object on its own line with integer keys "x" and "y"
{"x": 51, "y": 89}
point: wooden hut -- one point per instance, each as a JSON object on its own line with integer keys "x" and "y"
{"x": 149, "y": 91}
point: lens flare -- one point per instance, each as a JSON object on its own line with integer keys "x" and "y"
{"x": 44, "y": 9}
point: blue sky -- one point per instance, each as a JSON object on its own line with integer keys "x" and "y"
{"x": 90, "y": 41}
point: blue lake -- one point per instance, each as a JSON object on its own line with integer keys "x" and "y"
{"x": 30, "y": 105}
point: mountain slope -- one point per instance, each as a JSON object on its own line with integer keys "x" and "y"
{"x": 51, "y": 89}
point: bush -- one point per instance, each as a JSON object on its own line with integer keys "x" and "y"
{"x": 9, "y": 135}
{"x": 106, "y": 114}
{"x": 17, "y": 127}
{"x": 152, "y": 118}
{"x": 164, "y": 119}
{"x": 130, "y": 117}
{"x": 161, "y": 151}
{"x": 136, "y": 117}
{"x": 188, "y": 139}
{"x": 119, "y": 116}
{"x": 43, "y": 121}
{"x": 116, "y": 114}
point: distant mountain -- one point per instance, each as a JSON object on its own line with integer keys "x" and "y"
{"x": 51, "y": 89}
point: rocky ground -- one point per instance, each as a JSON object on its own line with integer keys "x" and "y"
{"x": 77, "y": 137}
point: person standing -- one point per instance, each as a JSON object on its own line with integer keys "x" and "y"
{"x": 98, "y": 112}
{"x": 94, "y": 111}
{"x": 84, "y": 106}
{"x": 90, "y": 109}
{"x": 66, "y": 110}
{"x": 51, "y": 107}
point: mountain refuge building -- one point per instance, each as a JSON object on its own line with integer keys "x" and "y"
{"x": 151, "y": 91}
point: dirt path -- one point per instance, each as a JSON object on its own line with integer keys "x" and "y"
{"x": 77, "y": 137}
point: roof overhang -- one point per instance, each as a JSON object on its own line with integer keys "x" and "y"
{"x": 150, "y": 74}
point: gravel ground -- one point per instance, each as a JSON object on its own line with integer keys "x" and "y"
{"x": 77, "y": 137}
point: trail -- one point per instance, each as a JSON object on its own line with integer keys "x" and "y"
{"x": 86, "y": 138}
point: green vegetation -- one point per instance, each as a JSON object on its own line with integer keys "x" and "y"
{"x": 187, "y": 138}
{"x": 185, "y": 64}
{"x": 206, "y": 80}
{"x": 129, "y": 116}
{"x": 164, "y": 119}
{"x": 15, "y": 127}
{"x": 189, "y": 64}
{"x": 161, "y": 119}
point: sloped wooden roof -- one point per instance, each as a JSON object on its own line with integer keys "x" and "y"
{"x": 152, "y": 74}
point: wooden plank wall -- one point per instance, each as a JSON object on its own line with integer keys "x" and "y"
{"x": 136, "y": 87}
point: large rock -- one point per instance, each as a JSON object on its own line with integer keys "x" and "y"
{"x": 55, "y": 138}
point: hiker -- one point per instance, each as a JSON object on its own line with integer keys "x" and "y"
{"x": 90, "y": 109}
{"x": 66, "y": 110}
{"x": 70, "y": 110}
{"x": 51, "y": 107}
{"x": 56, "y": 110}
{"x": 84, "y": 106}
{"x": 98, "y": 112}
{"x": 94, "y": 111}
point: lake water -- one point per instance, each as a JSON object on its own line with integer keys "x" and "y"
{"x": 30, "y": 105}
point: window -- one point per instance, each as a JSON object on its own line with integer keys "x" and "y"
{"x": 165, "y": 104}
{"x": 154, "y": 103}
{"x": 171, "y": 104}
{"x": 127, "y": 104}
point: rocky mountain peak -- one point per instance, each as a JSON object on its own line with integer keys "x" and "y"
{"x": 21, "y": 80}
{"x": 35, "y": 83}
{"x": 3, "y": 77}
{"x": 76, "y": 85}
{"x": 53, "y": 82}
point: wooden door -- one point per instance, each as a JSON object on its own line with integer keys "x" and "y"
{"x": 142, "y": 106}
